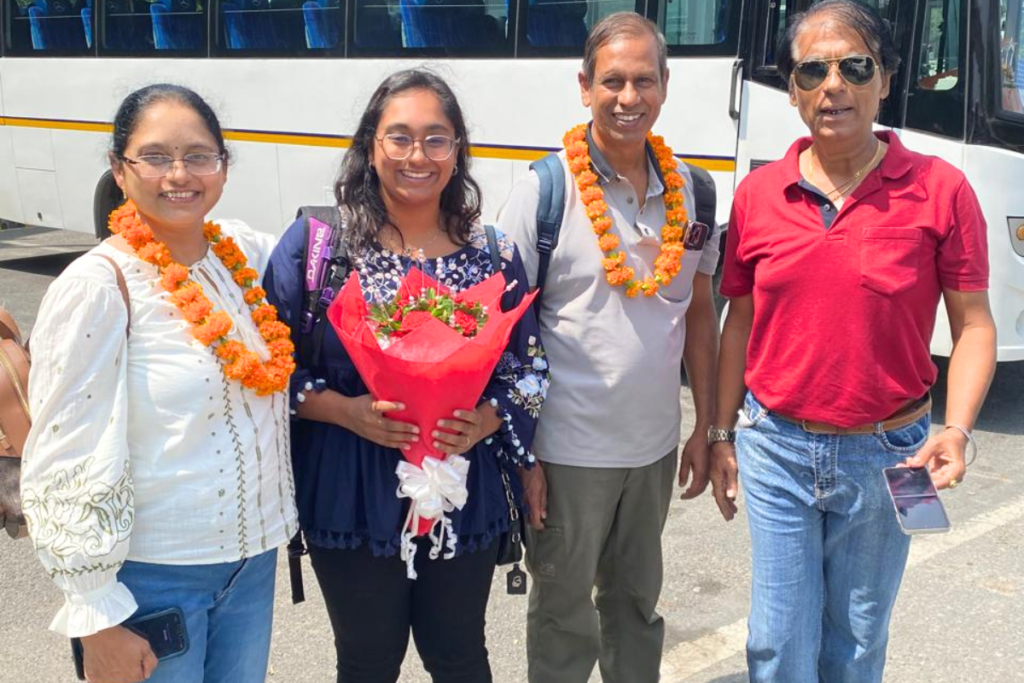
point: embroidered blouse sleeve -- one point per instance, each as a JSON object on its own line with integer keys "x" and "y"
{"x": 285, "y": 285}
{"x": 520, "y": 380}
{"x": 76, "y": 479}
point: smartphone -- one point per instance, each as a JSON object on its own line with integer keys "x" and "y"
{"x": 164, "y": 630}
{"x": 918, "y": 508}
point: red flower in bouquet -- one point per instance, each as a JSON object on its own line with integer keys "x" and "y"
{"x": 435, "y": 357}
{"x": 466, "y": 323}
{"x": 409, "y": 311}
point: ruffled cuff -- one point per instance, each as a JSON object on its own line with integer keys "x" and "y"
{"x": 84, "y": 614}
{"x": 302, "y": 383}
{"x": 507, "y": 445}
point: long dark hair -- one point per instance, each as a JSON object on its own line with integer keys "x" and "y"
{"x": 136, "y": 104}
{"x": 358, "y": 187}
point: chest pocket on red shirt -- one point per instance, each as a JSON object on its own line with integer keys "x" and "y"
{"x": 890, "y": 259}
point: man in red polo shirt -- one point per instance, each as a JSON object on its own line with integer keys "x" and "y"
{"x": 835, "y": 260}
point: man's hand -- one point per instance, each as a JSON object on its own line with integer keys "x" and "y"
{"x": 116, "y": 655}
{"x": 694, "y": 460}
{"x": 535, "y": 491}
{"x": 724, "y": 481}
{"x": 943, "y": 455}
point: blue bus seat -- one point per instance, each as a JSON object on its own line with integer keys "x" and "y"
{"x": 557, "y": 23}
{"x": 253, "y": 25}
{"x": 56, "y": 25}
{"x": 176, "y": 25}
{"x": 320, "y": 19}
{"x": 448, "y": 24}
{"x": 87, "y": 22}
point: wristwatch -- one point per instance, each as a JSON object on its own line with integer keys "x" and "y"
{"x": 715, "y": 435}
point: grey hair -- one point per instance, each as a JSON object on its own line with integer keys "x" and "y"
{"x": 615, "y": 26}
{"x": 862, "y": 19}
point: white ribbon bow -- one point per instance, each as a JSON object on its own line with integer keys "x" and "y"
{"x": 437, "y": 487}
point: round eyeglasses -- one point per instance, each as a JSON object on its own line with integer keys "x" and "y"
{"x": 159, "y": 165}
{"x": 856, "y": 70}
{"x": 399, "y": 147}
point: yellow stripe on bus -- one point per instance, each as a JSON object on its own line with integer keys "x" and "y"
{"x": 53, "y": 124}
{"x": 333, "y": 141}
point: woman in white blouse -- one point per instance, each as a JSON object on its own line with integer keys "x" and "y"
{"x": 156, "y": 475}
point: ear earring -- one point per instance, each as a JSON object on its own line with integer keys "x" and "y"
{"x": 455, "y": 171}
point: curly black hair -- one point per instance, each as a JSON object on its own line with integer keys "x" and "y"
{"x": 358, "y": 187}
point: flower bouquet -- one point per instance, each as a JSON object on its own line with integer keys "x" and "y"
{"x": 433, "y": 351}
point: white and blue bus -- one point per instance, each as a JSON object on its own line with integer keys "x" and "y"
{"x": 290, "y": 78}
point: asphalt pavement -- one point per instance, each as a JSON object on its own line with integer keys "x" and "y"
{"x": 959, "y": 618}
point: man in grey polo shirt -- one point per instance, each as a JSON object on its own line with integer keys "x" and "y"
{"x": 609, "y": 433}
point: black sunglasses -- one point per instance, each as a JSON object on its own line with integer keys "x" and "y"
{"x": 856, "y": 70}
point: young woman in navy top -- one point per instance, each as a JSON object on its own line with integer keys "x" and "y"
{"x": 406, "y": 198}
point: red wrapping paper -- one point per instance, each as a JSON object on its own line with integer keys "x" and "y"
{"x": 433, "y": 370}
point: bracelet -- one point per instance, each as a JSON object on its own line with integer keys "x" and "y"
{"x": 970, "y": 442}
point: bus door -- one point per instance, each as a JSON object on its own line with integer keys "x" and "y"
{"x": 768, "y": 124}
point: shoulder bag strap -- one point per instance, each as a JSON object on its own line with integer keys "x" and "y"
{"x": 123, "y": 286}
{"x": 492, "y": 246}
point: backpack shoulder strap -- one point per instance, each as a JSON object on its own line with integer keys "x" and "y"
{"x": 492, "y": 246}
{"x": 123, "y": 286}
{"x": 705, "y": 195}
{"x": 329, "y": 265}
{"x": 550, "y": 208}
{"x": 326, "y": 214}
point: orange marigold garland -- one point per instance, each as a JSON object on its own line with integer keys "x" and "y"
{"x": 209, "y": 326}
{"x": 669, "y": 261}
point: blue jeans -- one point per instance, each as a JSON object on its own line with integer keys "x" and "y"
{"x": 229, "y": 610}
{"x": 828, "y": 553}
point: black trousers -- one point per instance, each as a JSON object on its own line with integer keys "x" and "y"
{"x": 372, "y": 606}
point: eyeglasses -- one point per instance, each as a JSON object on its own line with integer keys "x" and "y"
{"x": 855, "y": 70}
{"x": 159, "y": 165}
{"x": 398, "y": 147}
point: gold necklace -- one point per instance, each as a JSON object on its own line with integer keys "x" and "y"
{"x": 411, "y": 251}
{"x": 841, "y": 189}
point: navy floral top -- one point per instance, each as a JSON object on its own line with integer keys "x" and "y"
{"x": 345, "y": 485}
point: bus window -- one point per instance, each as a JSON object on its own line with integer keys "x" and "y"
{"x": 561, "y": 26}
{"x": 60, "y": 27}
{"x": 178, "y": 25}
{"x": 274, "y": 25}
{"x": 1010, "y": 58}
{"x": 939, "y": 62}
{"x": 377, "y": 25}
{"x": 126, "y": 26}
{"x": 463, "y": 27}
{"x": 697, "y": 22}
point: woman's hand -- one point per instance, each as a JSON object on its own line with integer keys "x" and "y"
{"x": 724, "y": 480}
{"x": 943, "y": 455}
{"x": 365, "y": 417}
{"x": 116, "y": 655}
{"x": 469, "y": 427}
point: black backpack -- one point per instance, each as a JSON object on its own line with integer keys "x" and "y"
{"x": 551, "y": 208}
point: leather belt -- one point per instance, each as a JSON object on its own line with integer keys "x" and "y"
{"x": 901, "y": 418}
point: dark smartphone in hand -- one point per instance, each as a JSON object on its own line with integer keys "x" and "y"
{"x": 918, "y": 508}
{"x": 164, "y": 631}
